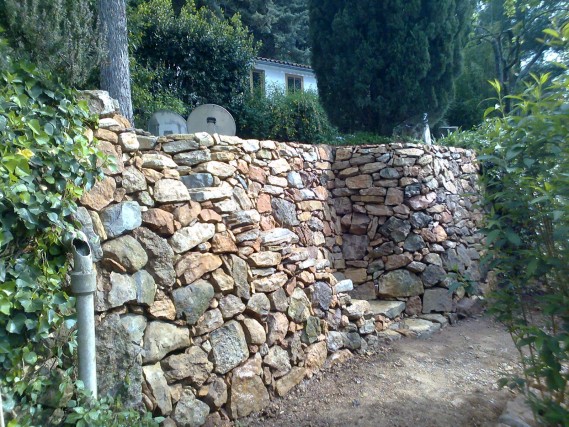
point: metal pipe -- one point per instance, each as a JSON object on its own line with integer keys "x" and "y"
{"x": 1, "y": 411}
{"x": 83, "y": 286}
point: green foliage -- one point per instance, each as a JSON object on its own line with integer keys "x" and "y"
{"x": 280, "y": 25}
{"x": 525, "y": 158}
{"x": 295, "y": 116}
{"x": 61, "y": 36}
{"x": 186, "y": 60}
{"x": 472, "y": 88}
{"x": 47, "y": 160}
{"x": 514, "y": 31}
{"x": 81, "y": 410}
{"x": 380, "y": 63}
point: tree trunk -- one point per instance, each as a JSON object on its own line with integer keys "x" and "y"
{"x": 115, "y": 72}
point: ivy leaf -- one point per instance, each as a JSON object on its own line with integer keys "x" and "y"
{"x": 35, "y": 126}
{"x": 16, "y": 324}
{"x": 30, "y": 358}
{"x": 513, "y": 238}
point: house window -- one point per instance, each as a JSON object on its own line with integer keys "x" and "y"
{"x": 294, "y": 83}
{"x": 258, "y": 80}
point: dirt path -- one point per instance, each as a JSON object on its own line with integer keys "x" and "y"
{"x": 446, "y": 380}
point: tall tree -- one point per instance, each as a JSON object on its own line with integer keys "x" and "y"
{"x": 115, "y": 70}
{"x": 473, "y": 92}
{"x": 68, "y": 44}
{"x": 514, "y": 29}
{"x": 280, "y": 25}
{"x": 187, "y": 60}
{"x": 380, "y": 63}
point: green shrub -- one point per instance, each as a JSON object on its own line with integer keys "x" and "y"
{"x": 296, "y": 116}
{"x": 526, "y": 173}
{"x": 47, "y": 161}
{"x": 185, "y": 60}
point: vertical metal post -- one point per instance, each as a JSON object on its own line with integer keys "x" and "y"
{"x": 1, "y": 411}
{"x": 83, "y": 286}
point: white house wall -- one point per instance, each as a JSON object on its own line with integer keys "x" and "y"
{"x": 275, "y": 76}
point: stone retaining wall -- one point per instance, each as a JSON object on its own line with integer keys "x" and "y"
{"x": 408, "y": 216}
{"x": 221, "y": 262}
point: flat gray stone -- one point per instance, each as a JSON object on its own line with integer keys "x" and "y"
{"x": 229, "y": 347}
{"x": 198, "y": 180}
{"x": 399, "y": 283}
{"x": 390, "y": 309}
{"x": 193, "y": 300}
{"x": 127, "y": 252}
{"x": 190, "y": 412}
{"x": 189, "y": 237}
{"x": 437, "y": 299}
{"x": 161, "y": 338}
{"x": 284, "y": 212}
{"x": 160, "y": 256}
{"x": 120, "y": 218}
{"x": 145, "y": 287}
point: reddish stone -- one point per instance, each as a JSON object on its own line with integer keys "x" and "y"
{"x": 321, "y": 193}
{"x": 360, "y": 181}
{"x": 440, "y": 234}
{"x": 123, "y": 121}
{"x": 264, "y": 203}
{"x": 107, "y": 135}
{"x": 267, "y": 223}
{"x": 163, "y": 309}
{"x": 159, "y": 221}
{"x": 186, "y": 213}
{"x": 257, "y": 174}
{"x": 394, "y": 197}
{"x": 398, "y": 261}
{"x": 414, "y": 306}
{"x": 223, "y": 243}
{"x": 243, "y": 167}
{"x": 194, "y": 265}
{"x": 100, "y": 195}
{"x": 207, "y": 215}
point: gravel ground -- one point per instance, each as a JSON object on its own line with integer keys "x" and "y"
{"x": 448, "y": 379}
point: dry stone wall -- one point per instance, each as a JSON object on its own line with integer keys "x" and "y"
{"x": 225, "y": 266}
{"x": 408, "y": 216}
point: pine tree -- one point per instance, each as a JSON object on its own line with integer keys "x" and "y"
{"x": 380, "y": 63}
{"x": 61, "y": 36}
{"x": 280, "y": 25}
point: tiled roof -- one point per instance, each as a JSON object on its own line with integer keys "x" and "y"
{"x": 287, "y": 63}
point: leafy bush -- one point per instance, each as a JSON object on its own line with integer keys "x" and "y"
{"x": 188, "y": 59}
{"x": 293, "y": 116}
{"x": 526, "y": 170}
{"x": 48, "y": 159}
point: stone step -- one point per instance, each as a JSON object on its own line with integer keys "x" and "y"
{"x": 423, "y": 328}
{"x": 390, "y": 309}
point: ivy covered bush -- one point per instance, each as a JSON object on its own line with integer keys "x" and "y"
{"x": 293, "y": 116}
{"x": 48, "y": 158}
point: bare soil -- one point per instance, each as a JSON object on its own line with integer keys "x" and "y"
{"x": 449, "y": 379}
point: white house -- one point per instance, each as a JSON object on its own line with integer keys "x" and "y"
{"x": 269, "y": 73}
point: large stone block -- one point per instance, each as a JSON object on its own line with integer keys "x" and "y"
{"x": 399, "y": 283}
{"x": 437, "y": 299}
{"x": 162, "y": 338}
{"x": 120, "y": 218}
{"x": 193, "y": 300}
{"x": 354, "y": 247}
{"x": 229, "y": 347}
